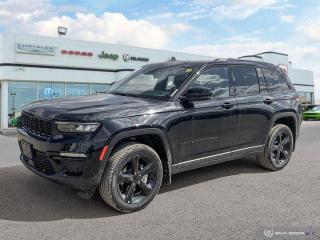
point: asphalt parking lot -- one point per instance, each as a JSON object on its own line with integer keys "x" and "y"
{"x": 227, "y": 201}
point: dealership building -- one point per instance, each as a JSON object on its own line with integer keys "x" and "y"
{"x": 34, "y": 68}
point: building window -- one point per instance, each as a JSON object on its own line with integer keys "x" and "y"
{"x": 77, "y": 89}
{"x": 306, "y": 98}
{"x": 19, "y": 94}
{"x": 51, "y": 90}
{"x": 98, "y": 88}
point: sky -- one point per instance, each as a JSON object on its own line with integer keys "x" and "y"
{"x": 218, "y": 28}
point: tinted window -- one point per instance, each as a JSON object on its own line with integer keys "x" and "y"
{"x": 262, "y": 81}
{"x": 215, "y": 78}
{"x": 275, "y": 80}
{"x": 246, "y": 80}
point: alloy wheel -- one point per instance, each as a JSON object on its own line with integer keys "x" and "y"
{"x": 137, "y": 179}
{"x": 281, "y": 148}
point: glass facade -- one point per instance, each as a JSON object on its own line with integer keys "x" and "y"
{"x": 98, "y": 88}
{"x": 19, "y": 94}
{"x": 51, "y": 90}
{"x": 306, "y": 98}
{"x": 22, "y": 93}
{"x": 77, "y": 89}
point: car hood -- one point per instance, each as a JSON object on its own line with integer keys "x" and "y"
{"x": 95, "y": 107}
{"x": 312, "y": 111}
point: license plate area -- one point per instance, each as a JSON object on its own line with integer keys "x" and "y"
{"x": 26, "y": 149}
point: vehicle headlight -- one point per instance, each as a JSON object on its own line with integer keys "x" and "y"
{"x": 71, "y": 127}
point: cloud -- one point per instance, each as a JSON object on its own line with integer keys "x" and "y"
{"x": 309, "y": 24}
{"x": 41, "y": 17}
{"x": 234, "y": 9}
{"x": 109, "y": 27}
{"x": 287, "y": 18}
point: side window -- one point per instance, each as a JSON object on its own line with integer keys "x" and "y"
{"x": 262, "y": 81}
{"x": 246, "y": 80}
{"x": 215, "y": 78}
{"x": 276, "y": 81}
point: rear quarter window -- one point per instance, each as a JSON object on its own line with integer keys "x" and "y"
{"x": 275, "y": 80}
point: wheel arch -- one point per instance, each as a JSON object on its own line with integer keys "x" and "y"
{"x": 150, "y": 137}
{"x": 289, "y": 119}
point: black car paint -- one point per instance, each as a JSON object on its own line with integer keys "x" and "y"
{"x": 193, "y": 134}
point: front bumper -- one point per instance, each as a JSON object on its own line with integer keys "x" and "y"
{"x": 81, "y": 173}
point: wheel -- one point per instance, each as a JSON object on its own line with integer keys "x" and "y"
{"x": 278, "y": 149}
{"x": 132, "y": 177}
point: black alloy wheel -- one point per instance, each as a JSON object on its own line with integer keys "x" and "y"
{"x": 137, "y": 179}
{"x": 278, "y": 149}
{"x": 132, "y": 178}
{"x": 281, "y": 147}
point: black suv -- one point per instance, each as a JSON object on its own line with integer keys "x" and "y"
{"x": 163, "y": 119}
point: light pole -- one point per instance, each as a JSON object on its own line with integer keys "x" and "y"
{"x": 62, "y": 31}
{"x": 13, "y": 94}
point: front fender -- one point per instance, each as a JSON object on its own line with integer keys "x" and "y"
{"x": 138, "y": 132}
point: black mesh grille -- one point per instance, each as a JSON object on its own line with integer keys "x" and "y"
{"x": 36, "y": 125}
{"x": 40, "y": 162}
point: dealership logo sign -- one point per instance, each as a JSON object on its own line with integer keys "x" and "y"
{"x": 77, "y": 53}
{"x": 110, "y": 56}
{"x": 127, "y": 57}
{"x": 35, "y": 49}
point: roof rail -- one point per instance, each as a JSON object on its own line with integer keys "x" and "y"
{"x": 223, "y": 59}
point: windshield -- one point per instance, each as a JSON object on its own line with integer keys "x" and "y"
{"x": 315, "y": 108}
{"x": 153, "y": 82}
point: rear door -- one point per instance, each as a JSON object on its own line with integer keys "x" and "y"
{"x": 252, "y": 113}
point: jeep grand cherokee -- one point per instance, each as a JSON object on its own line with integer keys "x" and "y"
{"x": 163, "y": 119}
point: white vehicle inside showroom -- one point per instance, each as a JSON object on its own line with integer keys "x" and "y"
{"x": 34, "y": 68}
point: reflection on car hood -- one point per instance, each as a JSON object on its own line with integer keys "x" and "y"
{"x": 100, "y": 106}
{"x": 312, "y": 111}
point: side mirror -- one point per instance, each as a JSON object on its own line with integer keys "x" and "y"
{"x": 197, "y": 93}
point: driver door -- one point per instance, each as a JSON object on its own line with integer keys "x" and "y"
{"x": 209, "y": 125}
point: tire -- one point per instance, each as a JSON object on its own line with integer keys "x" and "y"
{"x": 132, "y": 177}
{"x": 275, "y": 149}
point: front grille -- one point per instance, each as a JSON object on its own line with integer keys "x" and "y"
{"x": 40, "y": 162}
{"x": 36, "y": 125}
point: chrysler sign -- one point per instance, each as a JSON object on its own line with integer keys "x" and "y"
{"x": 35, "y": 49}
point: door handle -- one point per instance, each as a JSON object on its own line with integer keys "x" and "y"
{"x": 267, "y": 100}
{"x": 227, "y": 105}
